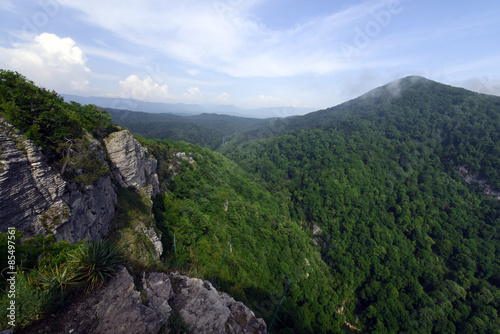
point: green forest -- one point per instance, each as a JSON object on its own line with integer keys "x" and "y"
{"x": 416, "y": 248}
{"x": 207, "y": 130}
{"x": 350, "y": 215}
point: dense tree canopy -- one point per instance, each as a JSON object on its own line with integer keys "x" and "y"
{"x": 416, "y": 247}
{"x": 353, "y": 214}
{"x": 59, "y": 128}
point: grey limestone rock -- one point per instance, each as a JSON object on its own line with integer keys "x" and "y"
{"x": 152, "y": 235}
{"x": 28, "y": 187}
{"x": 92, "y": 209}
{"x": 158, "y": 289}
{"x": 206, "y": 310}
{"x": 34, "y": 198}
{"x": 131, "y": 163}
{"x": 121, "y": 310}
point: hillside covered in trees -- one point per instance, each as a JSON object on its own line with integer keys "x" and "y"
{"x": 410, "y": 245}
{"x": 356, "y": 214}
{"x": 415, "y": 246}
{"x": 207, "y": 130}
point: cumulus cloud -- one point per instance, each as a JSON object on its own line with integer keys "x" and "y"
{"x": 48, "y": 60}
{"x": 192, "y": 92}
{"x": 146, "y": 89}
{"x": 224, "y": 97}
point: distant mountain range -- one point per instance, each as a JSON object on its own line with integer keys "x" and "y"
{"x": 184, "y": 109}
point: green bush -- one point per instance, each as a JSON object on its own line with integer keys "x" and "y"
{"x": 58, "y": 279}
{"x": 96, "y": 262}
{"x": 52, "y": 272}
{"x": 30, "y": 303}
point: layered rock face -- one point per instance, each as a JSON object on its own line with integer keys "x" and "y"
{"x": 34, "y": 198}
{"x": 28, "y": 188}
{"x": 131, "y": 163}
{"x": 132, "y": 167}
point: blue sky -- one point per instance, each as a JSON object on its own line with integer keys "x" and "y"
{"x": 250, "y": 53}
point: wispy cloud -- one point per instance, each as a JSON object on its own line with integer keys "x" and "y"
{"x": 230, "y": 42}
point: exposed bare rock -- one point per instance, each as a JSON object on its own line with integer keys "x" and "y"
{"x": 34, "y": 198}
{"x": 184, "y": 156}
{"x": 121, "y": 310}
{"x": 133, "y": 167}
{"x": 474, "y": 180}
{"x": 131, "y": 163}
{"x": 114, "y": 308}
{"x": 158, "y": 290}
{"x": 177, "y": 160}
{"x": 118, "y": 308}
{"x": 92, "y": 209}
{"x": 26, "y": 191}
{"x": 206, "y": 310}
{"x": 152, "y": 235}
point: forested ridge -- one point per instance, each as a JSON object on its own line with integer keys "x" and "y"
{"x": 207, "y": 130}
{"x": 416, "y": 248}
{"x": 401, "y": 243}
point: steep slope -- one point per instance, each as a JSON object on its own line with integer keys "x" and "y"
{"x": 67, "y": 173}
{"x": 416, "y": 247}
{"x": 218, "y": 222}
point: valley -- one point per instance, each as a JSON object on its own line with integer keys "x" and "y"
{"x": 376, "y": 207}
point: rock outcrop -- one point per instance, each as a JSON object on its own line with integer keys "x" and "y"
{"x": 28, "y": 187}
{"x": 132, "y": 167}
{"x": 35, "y": 199}
{"x": 119, "y": 307}
{"x": 488, "y": 190}
{"x": 131, "y": 163}
{"x": 206, "y": 310}
{"x": 121, "y": 310}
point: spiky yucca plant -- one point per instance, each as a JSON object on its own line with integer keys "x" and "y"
{"x": 57, "y": 279}
{"x": 96, "y": 262}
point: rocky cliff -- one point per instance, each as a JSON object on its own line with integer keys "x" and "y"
{"x": 34, "y": 197}
{"x": 123, "y": 306}
{"x": 131, "y": 164}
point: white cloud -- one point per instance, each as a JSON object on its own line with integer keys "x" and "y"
{"x": 48, "y": 60}
{"x": 224, "y": 97}
{"x": 79, "y": 85}
{"x": 147, "y": 90}
{"x": 223, "y": 35}
{"x": 192, "y": 92}
{"x": 58, "y": 52}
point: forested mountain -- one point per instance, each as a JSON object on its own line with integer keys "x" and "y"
{"x": 415, "y": 247}
{"x": 208, "y": 130}
{"x": 371, "y": 213}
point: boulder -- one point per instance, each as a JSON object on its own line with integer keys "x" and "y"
{"x": 207, "y": 310}
{"x": 121, "y": 310}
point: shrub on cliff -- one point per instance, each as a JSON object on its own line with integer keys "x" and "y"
{"x": 96, "y": 262}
